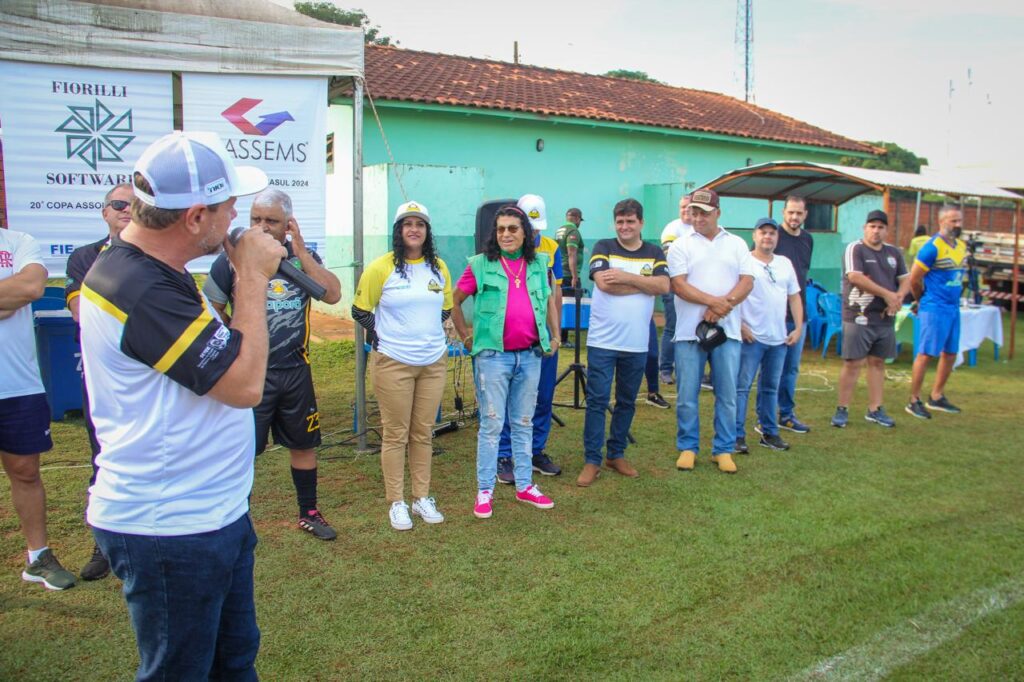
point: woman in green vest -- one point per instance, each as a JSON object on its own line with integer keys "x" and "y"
{"x": 515, "y": 322}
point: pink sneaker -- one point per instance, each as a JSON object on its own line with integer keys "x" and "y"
{"x": 533, "y": 495}
{"x": 482, "y": 509}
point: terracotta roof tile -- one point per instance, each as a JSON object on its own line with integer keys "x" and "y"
{"x": 411, "y": 76}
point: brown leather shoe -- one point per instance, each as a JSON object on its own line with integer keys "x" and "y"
{"x": 588, "y": 475}
{"x": 622, "y": 466}
{"x": 724, "y": 462}
{"x": 686, "y": 460}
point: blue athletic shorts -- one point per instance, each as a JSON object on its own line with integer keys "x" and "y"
{"x": 939, "y": 332}
{"x": 25, "y": 425}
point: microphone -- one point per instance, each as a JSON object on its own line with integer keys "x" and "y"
{"x": 288, "y": 271}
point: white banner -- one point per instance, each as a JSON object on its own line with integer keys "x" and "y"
{"x": 69, "y": 135}
{"x": 276, "y": 123}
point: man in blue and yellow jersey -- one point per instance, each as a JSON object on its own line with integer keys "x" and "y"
{"x": 289, "y": 406}
{"x": 936, "y": 281}
{"x": 533, "y": 206}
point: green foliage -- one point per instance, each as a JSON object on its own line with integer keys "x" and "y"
{"x": 896, "y": 158}
{"x": 332, "y": 14}
{"x": 632, "y": 75}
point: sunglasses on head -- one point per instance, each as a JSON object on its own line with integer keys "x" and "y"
{"x": 119, "y": 204}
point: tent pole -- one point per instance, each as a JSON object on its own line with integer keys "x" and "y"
{"x": 917, "y": 211}
{"x": 1015, "y": 290}
{"x": 357, "y": 254}
{"x": 770, "y": 203}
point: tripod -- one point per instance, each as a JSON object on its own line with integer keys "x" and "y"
{"x": 577, "y": 369}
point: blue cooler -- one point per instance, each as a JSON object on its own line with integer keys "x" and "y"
{"x": 60, "y": 361}
{"x": 569, "y": 313}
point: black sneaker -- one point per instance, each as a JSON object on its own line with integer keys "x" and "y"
{"x": 943, "y": 405}
{"x": 773, "y": 443}
{"x": 543, "y": 465}
{"x": 741, "y": 446}
{"x": 315, "y": 523}
{"x": 48, "y": 571}
{"x": 506, "y": 474}
{"x": 656, "y": 400}
{"x": 705, "y": 383}
{"x": 917, "y": 408}
{"x": 97, "y": 567}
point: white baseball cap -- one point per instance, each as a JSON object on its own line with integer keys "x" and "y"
{"x": 412, "y": 208}
{"x": 533, "y": 206}
{"x": 185, "y": 169}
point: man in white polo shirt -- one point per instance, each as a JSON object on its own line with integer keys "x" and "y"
{"x": 711, "y": 274}
{"x": 627, "y": 273}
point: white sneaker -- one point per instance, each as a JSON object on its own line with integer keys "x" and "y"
{"x": 426, "y": 509}
{"x": 399, "y": 514}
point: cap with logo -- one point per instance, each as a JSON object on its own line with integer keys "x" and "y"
{"x": 879, "y": 216}
{"x": 533, "y": 206}
{"x": 189, "y": 168}
{"x": 412, "y": 209}
{"x": 704, "y": 199}
{"x": 766, "y": 222}
{"x": 710, "y": 335}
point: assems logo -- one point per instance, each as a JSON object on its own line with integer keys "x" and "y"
{"x": 96, "y": 133}
{"x": 268, "y": 122}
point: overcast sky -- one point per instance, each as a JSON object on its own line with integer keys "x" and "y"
{"x": 868, "y": 69}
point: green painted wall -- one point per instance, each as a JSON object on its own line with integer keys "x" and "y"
{"x": 452, "y": 160}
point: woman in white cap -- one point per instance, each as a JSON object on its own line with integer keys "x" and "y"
{"x": 515, "y": 322}
{"x": 402, "y": 301}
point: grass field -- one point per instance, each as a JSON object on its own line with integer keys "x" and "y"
{"x": 860, "y": 554}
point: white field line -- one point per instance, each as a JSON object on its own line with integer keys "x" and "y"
{"x": 901, "y": 644}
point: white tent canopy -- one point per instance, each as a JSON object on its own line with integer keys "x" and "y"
{"x": 205, "y": 36}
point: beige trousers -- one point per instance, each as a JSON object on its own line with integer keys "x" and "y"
{"x": 408, "y": 397}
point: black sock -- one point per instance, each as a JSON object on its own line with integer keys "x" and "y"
{"x": 305, "y": 489}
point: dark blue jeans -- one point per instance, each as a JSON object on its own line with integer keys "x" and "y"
{"x": 190, "y": 598}
{"x": 790, "y": 371}
{"x": 627, "y": 369}
{"x": 756, "y": 356}
{"x": 668, "y": 350}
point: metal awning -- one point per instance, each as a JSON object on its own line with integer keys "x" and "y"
{"x": 826, "y": 183}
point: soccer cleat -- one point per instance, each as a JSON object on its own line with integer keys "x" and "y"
{"x": 917, "y": 409}
{"x": 426, "y": 509}
{"x": 588, "y": 475}
{"x": 482, "y": 508}
{"x": 880, "y": 417}
{"x": 315, "y": 523}
{"x": 943, "y": 405}
{"x": 724, "y": 462}
{"x": 773, "y": 443}
{"x": 97, "y": 567}
{"x": 841, "y": 417}
{"x": 656, "y": 400}
{"x": 741, "y": 446}
{"x": 399, "y": 516}
{"x": 506, "y": 472}
{"x": 543, "y": 465}
{"x": 686, "y": 460}
{"x": 666, "y": 378}
{"x": 48, "y": 571}
{"x": 793, "y": 424}
{"x": 532, "y": 495}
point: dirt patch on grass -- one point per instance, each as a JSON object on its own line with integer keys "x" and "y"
{"x": 330, "y": 328}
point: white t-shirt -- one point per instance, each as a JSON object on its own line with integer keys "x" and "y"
{"x": 19, "y": 370}
{"x": 714, "y": 266}
{"x": 674, "y": 230}
{"x": 764, "y": 310}
{"x": 623, "y": 322}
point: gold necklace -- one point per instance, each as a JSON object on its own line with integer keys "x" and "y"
{"x": 511, "y": 275}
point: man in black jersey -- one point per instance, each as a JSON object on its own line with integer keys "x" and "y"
{"x": 289, "y": 406}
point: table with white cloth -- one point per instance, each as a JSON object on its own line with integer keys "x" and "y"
{"x": 977, "y": 323}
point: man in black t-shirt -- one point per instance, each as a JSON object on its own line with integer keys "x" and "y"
{"x": 796, "y": 244}
{"x": 875, "y": 280}
{"x": 117, "y": 214}
{"x": 289, "y": 406}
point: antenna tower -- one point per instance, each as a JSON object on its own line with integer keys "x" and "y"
{"x": 744, "y": 41}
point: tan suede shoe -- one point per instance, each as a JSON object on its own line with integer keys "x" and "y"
{"x": 622, "y": 466}
{"x": 724, "y": 462}
{"x": 686, "y": 460}
{"x": 588, "y": 475}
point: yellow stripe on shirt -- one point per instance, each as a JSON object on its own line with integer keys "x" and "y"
{"x": 186, "y": 339}
{"x": 104, "y": 305}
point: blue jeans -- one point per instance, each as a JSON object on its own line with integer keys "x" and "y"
{"x": 667, "y": 348}
{"x": 541, "y": 415}
{"x": 602, "y": 366}
{"x": 769, "y": 360}
{"x": 725, "y": 364}
{"x": 790, "y": 371}
{"x": 190, "y": 598}
{"x": 506, "y": 383}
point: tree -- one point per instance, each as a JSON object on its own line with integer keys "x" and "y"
{"x": 896, "y": 158}
{"x": 632, "y": 75}
{"x": 331, "y": 13}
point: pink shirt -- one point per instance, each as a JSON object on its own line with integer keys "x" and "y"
{"x": 520, "y": 328}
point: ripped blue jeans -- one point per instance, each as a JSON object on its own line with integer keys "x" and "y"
{"x": 506, "y": 382}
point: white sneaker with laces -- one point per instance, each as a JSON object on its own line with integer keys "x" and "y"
{"x": 399, "y": 515}
{"x": 426, "y": 509}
